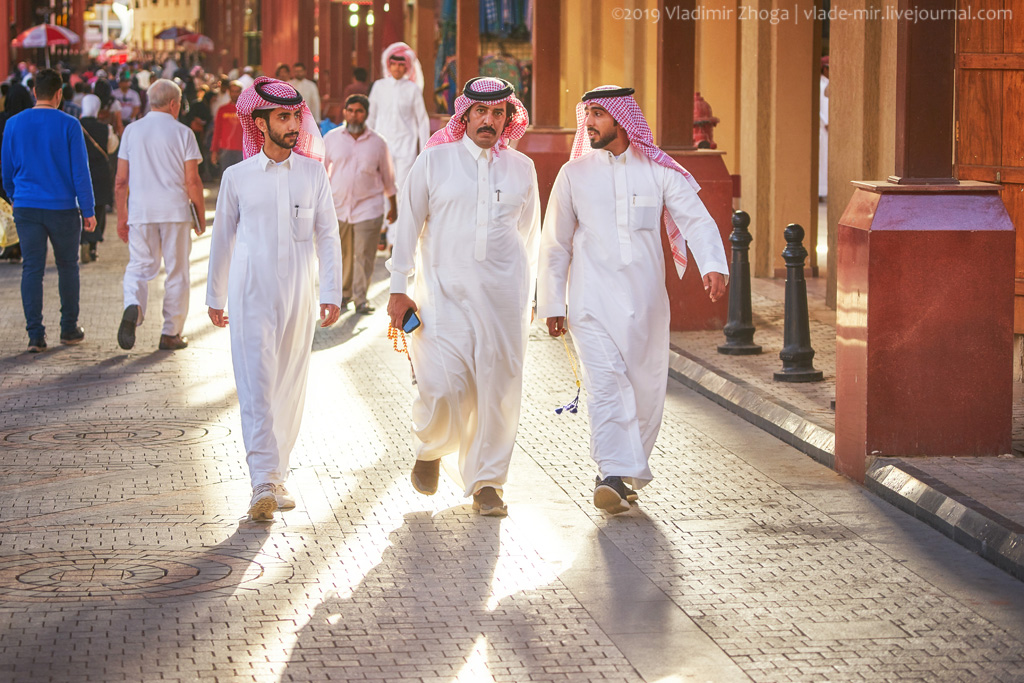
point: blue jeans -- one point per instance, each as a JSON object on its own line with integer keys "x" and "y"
{"x": 63, "y": 227}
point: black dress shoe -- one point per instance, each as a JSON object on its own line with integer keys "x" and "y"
{"x": 74, "y": 337}
{"x": 37, "y": 345}
{"x": 126, "y": 332}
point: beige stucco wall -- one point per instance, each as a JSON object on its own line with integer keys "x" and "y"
{"x": 862, "y": 110}
{"x": 150, "y": 19}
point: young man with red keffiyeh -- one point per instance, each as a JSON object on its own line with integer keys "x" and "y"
{"x": 601, "y": 252}
{"x": 275, "y": 220}
{"x": 468, "y": 224}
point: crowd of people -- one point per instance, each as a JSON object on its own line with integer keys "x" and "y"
{"x": 298, "y": 195}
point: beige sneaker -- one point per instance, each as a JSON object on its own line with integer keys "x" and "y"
{"x": 285, "y": 500}
{"x": 263, "y": 503}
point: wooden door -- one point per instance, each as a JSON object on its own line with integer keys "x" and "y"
{"x": 990, "y": 112}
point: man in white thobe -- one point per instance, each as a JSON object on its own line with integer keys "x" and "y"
{"x": 307, "y": 88}
{"x": 601, "y": 251}
{"x": 397, "y": 111}
{"x": 468, "y": 225}
{"x": 157, "y": 178}
{"x": 275, "y": 219}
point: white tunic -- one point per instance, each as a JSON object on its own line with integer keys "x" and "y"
{"x": 602, "y": 246}
{"x": 273, "y": 222}
{"x": 398, "y": 114}
{"x": 468, "y": 226}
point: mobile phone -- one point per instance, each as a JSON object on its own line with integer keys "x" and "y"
{"x": 410, "y": 322}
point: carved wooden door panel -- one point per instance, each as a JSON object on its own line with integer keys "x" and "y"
{"x": 990, "y": 112}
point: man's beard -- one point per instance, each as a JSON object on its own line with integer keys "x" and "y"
{"x": 355, "y": 128}
{"x": 604, "y": 140}
{"x": 286, "y": 141}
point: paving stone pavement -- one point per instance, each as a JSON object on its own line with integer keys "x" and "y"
{"x": 124, "y": 554}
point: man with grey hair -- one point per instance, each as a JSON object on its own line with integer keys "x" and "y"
{"x": 157, "y": 181}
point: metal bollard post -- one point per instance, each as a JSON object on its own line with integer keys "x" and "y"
{"x": 797, "y": 354}
{"x": 739, "y": 328}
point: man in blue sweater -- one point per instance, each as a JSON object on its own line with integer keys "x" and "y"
{"x": 45, "y": 171}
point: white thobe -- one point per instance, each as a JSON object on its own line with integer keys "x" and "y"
{"x": 468, "y": 226}
{"x": 601, "y": 246}
{"x": 310, "y": 92}
{"x": 273, "y": 222}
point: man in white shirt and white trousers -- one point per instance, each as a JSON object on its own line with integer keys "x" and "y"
{"x": 397, "y": 111}
{"x": 601, "y": 251}
{"x": 468, "y": 226}
{"x": 275, "y": 219}
{"x": 157, "y": 178}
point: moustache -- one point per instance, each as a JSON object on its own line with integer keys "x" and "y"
{"x": 486, "y": 129}
{"x": 592, "y": 131}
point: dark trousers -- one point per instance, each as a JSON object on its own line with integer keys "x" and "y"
{"x": 63, "y": 228}
{"x": 101, "y": 224}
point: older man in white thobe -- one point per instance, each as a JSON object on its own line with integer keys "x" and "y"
{"x": 275, "y": 219}
{"x": 157, "y": 178}
{"x": 397, "y": 111}
{"x": 601, "y": 251}
{"x": 468, "y": 224}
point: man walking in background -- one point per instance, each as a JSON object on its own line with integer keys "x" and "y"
{"x": 307, "y": 88}
{"x": 397, "y": 111}
{"x": 361, "y": 172}
{"x": 45, "y": 171}
{"x": 157, "y": 179}
{"x": 226, "y": 146}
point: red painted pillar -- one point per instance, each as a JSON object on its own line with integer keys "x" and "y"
{"x": 924, "y": 319}
{"x": 467, "y": 41}
{"x": 5, "y": 37}
{"x": 677, "y": 44}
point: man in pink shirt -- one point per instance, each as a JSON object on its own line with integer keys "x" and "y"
{"x": 361, "y": 170}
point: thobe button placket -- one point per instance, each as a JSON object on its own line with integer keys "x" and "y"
{"x": 284, "y": 220}
{"x": 622, "y": 209}
{"x": 483, "y": 191}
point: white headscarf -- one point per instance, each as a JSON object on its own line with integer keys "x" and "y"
{"x": 90, "y": 105}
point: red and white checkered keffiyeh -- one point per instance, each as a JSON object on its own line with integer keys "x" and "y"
{"x": 414, "y": 72}
{"x": 625, "y": 110}
{"x": 310, "y": 144}
{"x": 514, "y": 129}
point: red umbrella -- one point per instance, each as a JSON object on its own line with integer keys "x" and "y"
{"x": 196, "y": 41}
{"x": 45, "y": 35}
{"x": 173, "y": 33}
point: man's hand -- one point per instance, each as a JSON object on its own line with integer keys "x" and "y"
{"x": 714, "y": 285}
{"x": 213, "y": 157}
{"x": 218, "y": 318}
{"x": 392, "y": 214}
{"x": 89, "y": 224}
{"x": 329, "y": 314}
{"x": 398, "y": 304}
{"x": 557, "y": 326}
{"x": 122, "y": 230}
{"x": 199, "y": 229}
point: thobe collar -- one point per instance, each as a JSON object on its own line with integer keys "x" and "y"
{"x": 266, "y": 162}
{"x": 610, "y": 158}
{"x": 365, "y": 135}
{"x": 475, "y": 149}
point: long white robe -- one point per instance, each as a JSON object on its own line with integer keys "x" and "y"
{"x": 273, "y": 222}
{"x": 397, "y": 114}
{"x": 601, "y": 245}
{"x": 468, "y": 227}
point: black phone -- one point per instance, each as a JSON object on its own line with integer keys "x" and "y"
{"x": 410, "y": 322}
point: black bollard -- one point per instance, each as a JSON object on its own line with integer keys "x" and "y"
{"x": 797, "y": 354}
{"x": 739, "y": 328}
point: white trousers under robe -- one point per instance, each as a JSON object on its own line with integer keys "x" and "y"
{"x": 147, "y": 245}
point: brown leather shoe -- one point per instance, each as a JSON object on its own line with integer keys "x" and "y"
{"x": 172, "y": 343}
{"x": 424, "y": 476}
{"x": 488, "y": 503}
